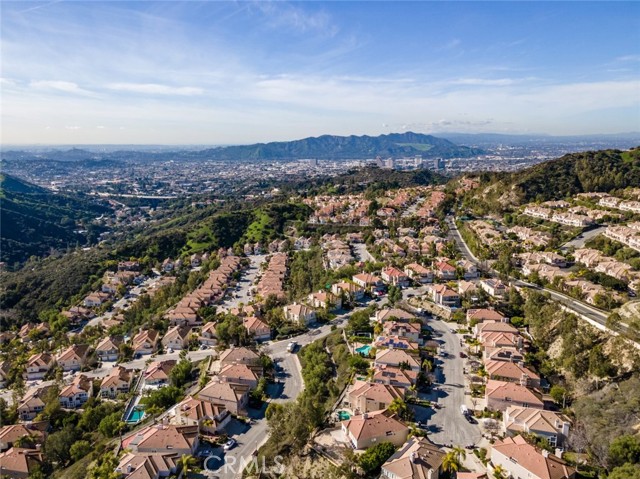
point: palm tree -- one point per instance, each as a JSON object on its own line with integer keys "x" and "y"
{"x": 186, "y": 463}
{"x": 499, "y": 472}
{"x": 451, "y": 462}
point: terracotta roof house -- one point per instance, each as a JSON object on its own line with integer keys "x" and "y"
{"x": 10, "y": 434}
{"x": 388, "y": 314}
{"x": 299, "y": 313}
{"x": 240, "y": 355}
{"x": 75, "y": 394}
{"x": 445, "y": 271}
{"x": 158, "y": 372}
{"x": 520, "y": 459}
{"x": 160, "y": 438}
{"x": 38, "y": 366}
{"x": 145, "y": 342}
{"x": 411, "y": 331}
{"x": 108, "y": 348}
{"x": 239, "y": 374}
{"x": 395, "y": 342}
{"x": 395, "y": 276}
{"x": 73, "y": 358}
{"x": 371, "y": 428}
{"x": 18, "y": 463}
{"x": 486, "y": 315}
{"x": 393, "y": 376}
{"x": 497, "y": 339}
{"x": 147, "y": 466}
{"x": 419, "y": 273}
{"x": 351, "y": 290}
{"x": 503, "y": 354}
{"x": 494, "y": 326}
{"x": 500, "y": 395}
{"x": 232, "y": 396}
{"x": 547, "y": 424}
{"x": 465, "y": 287}
{"x": 367, "y": 281}
{"x": 368, "y": 397}
{"x": 117, "y": 382}
{"x": 512, "y": 372}
{"x": 32, "y": 403}
{"x": 494, "y": 287}
{"x": 258, "y": 329}
{"x": 208, "y": 335}
{"x": 395, "y": 357}
{"x": 177, "y": 337}
{"x": 324, "y": 299}
{"x": 418, "y": 458}
{"x": 210, "y": 418}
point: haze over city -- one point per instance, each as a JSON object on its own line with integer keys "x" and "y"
{"x": 242, "y": 72}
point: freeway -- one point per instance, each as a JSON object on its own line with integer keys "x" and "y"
{"x": 580, "y": 308}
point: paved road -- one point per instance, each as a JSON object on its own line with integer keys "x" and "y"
{"x": 361, "y": 253}
{"x": 578, "y": 306}
{"x": 580, "y": 240}
{"x": 447, "y": 425}
{"x": 243, "y": 294}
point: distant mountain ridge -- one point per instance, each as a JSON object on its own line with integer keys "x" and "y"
{"x": 326, "y": 147}
{"x": 347, "y": 147}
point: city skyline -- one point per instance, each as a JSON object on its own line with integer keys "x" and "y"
{"x": 245, "y": 72}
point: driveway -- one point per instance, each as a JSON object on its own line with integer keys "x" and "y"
{"x": 243, "y": 293}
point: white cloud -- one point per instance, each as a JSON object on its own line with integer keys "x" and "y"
{"x": 58, "y": 85}
{"x": 72, "y": 127}
{"x": 285, "y": 15}
{"x": 156, "y": 89}
{"x": 628, "y": 58}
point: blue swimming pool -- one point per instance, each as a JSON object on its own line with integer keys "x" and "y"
{"x": 364, "y": 350}
{"x": 136, "y": 415}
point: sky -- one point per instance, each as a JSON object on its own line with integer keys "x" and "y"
{"x": 242, "y": 72}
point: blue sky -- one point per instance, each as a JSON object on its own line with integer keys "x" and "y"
{"x": 240, "y": 72}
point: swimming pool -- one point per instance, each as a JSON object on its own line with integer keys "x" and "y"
{"x": 364, "y": 350}
{"x": 343, "y": 415}
{"x": 136, "y": 415}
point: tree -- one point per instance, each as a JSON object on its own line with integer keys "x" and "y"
{"x": 79, "y": 449}
{"x": 111, "y": 425}
{"x": 374, "y": 457}
{"x": 57, "y": 447}
{"x": 451, "y": 462}
{"x": 358, "y": 364}
{"x": 394, "y": 295}
{"x": 8, "y": 415}
{"x": 399, "y": 407}
{"x": 187, "y": 463}
{"x": 499, "y": 472}
{"x": 624, "y": 449}
{"x": 181, "y": 373}
{"x": 626, "y": 471}
{"x": 559, "y": 394}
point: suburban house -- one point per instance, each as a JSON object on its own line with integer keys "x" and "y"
{"x": 117, "y": 382}
{"x": 547, "y": 424}
{"x": 501, "y": 394}
{"x": 239, "y": 374}
{"x": 95, "y": 299}
{"x": 147, "y": 466}
{"x": 10, "y": 434}
{"x": 411, "y": 331}
{"x": 418, "y": 458}
{"x": 368, "y": 397}
{"x": 395, "y": 342}
{"x": 395, "y": 358}
{"x": 210, "y": 418}
{"x": 393, "y": 314}
{"x": 32, "y": 403}
{"x": 419, "y": 273}
{"x": 445, "y": 271}
{"x": 470, "y": 270}
{"x": 145, "y": 342}
{"x": 19, "y": 463}
{"x": 368, "y": 429}
{"x": 77, "y": 393}
{"x": 485, "y": 315}
{"x": 158, "y": 372}
{"x": 208, "y": 335}
{"x": 395, "y": 277}
{"x": 73, "y": 358}
{"x": 502, "y": 354}
{"x": 38, "y": 366}
{"x": 444, "y": 296}
{"x": 394, "y": 376}
{"x": 349, "y": 290}
{"x": 177, "y": 337}
{"x": 368, "y": 281}
{"x": 299, "y": 313}
{"x": 494, "y": 287}
{"x": 512, "y": 372}
{"x": 232, "y": 396}
{"x": 520, "y": 459}
{"x": 258, "y": 329}
{"x": 240, "y": 355}
{"x": 160, "y": 438}
{"x": 108, "y": 348}
{"x": 323, "y": 299}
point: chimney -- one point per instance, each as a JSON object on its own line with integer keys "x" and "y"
{"x": 559, "y": 452}
{"x": 414, "y": 457}
{"x": 129, "y": 468}
{"x": 365, "y": 416}
{"x": 545, "y": 453}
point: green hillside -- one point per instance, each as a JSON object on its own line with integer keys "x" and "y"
{"x": 33, "y": 220}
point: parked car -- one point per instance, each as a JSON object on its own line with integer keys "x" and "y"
{"x": 230, "y": 444}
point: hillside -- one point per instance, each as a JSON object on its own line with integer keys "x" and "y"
{"x": 346, "y": 147}
{"x": 589, "y": 171}
{"x": 34, "y": 220}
